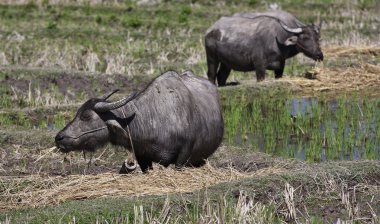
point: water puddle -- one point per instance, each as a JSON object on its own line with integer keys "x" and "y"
{"x": 309, "y": 129}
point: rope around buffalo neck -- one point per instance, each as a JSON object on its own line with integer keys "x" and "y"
{"x": 301, "y": 47}
{"x": 129, "y": 132}
{"x": 88, "y": 132}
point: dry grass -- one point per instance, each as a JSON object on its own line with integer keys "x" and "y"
{"x": 350, "y": 51}
{"x": 60, "y": 2}
{"x": 41, "y": 190}
{"x": 340, "y": 79}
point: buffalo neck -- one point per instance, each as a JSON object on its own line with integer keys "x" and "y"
{"x": 292, "y": 51}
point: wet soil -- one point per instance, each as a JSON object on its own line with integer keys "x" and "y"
{"x": 245, "y": 163}
{"x": 69, "y": 84}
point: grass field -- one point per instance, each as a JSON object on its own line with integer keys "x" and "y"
{"x": 301, "y": 149}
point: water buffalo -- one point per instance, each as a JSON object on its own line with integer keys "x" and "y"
{"x": 175, "y": 119}
{"x": 256, "y": 42}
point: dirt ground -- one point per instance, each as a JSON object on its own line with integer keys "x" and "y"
{"x": 70, "y": 84}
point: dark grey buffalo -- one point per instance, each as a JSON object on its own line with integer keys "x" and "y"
{"x": 257, "y": 42}
{"x": 176, "y": 119}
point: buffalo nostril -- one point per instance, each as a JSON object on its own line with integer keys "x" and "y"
{"x": 59, "y": 137}
{"x": 320, "y": 56}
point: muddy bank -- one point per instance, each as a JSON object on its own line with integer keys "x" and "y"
{"x": 30, "y": 84}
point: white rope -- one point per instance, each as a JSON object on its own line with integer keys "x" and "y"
{"x": 87, "y": 132}
{"x": 129, "y": 133}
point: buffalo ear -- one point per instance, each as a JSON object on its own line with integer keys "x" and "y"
{"x": 115, "y": 128}
{"x": 291, "y": 41}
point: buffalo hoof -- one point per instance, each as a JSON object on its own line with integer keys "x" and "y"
{"x": 260, "y": 78}
{"x": 179, "y": 168}
{"x": 235, "y": 83}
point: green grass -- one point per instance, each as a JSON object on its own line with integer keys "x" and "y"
{"x": 142, "y": 210}
{"x": 63, "y": 32}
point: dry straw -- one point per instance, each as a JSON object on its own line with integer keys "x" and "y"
{"x": 340, "y": 79}
{"x": 361, "y": 75}
{"x": 42, "y": 190}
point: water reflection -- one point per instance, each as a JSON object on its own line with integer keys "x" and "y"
{"x": 310, "y": 129}
{"x": 301, "y": 106}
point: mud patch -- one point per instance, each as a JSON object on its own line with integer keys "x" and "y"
{"x": 245, "y": 163}
{"x": 69, "y": 85}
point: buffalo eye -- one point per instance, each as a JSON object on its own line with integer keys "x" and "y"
{"x": 85, "y": 116}
{"x": 304, "y": 37}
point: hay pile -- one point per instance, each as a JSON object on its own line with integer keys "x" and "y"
{"x": 366, "y": 77}
{"x": 362, "y": 76}
{"x": 349, "y": 51}
{"x": 42, "y": 190}
{"x": 333, "y": 75}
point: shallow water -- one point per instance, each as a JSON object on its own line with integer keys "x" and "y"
{"x": 309, "y": 129}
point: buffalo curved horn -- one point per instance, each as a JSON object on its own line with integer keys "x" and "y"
{"x": 318, "y": 27}
{"x": 291, "y": 30}
{"x": 107, "y": 106}
{"x": 107, "y": 95}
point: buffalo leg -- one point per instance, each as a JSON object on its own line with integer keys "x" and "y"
{"x": 199, "y": 163}
{"x": 223, "y": 73}
{"x": 145, "y": 165}
{"x": 278, "y": 72}
{"x": 212, "y": 66}
{"x": 260, "y": 73}
{"x": 184, "y": 156}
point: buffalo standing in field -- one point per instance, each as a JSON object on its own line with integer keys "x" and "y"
{"x": 175, "y": 119}
{"x": 257, "y": 42}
